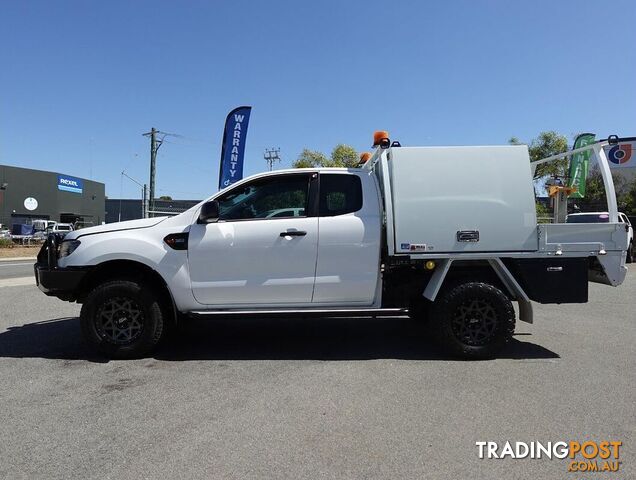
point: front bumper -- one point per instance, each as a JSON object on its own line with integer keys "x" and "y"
{"x": 58, "y": 282}
{"x": 55, "y": 281}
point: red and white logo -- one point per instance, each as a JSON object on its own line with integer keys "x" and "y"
{"x": 620, "y": 154}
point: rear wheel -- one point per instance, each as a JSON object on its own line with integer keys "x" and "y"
{"x": 122, "y": 320}
{"x": 630, "y": 253}
{"x": 473, "y": 320}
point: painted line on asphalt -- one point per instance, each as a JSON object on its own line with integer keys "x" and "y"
{"x": 17, "y": 282}
{"x": 16, "y": 264}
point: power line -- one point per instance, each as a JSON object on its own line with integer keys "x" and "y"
{"x": 199, "y": 194}
{"x": 193, "y": 140}
{"x": 134, "y": 157}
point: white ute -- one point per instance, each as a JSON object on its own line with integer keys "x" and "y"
{"x": 446, "y": 234}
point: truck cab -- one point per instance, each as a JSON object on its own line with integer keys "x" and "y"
{"x": 321, "y": 248}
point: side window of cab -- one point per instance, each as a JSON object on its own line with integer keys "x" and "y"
{"x": 272, "y": 197}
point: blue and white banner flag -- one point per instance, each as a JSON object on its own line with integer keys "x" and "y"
{"x": 233, "y": 149}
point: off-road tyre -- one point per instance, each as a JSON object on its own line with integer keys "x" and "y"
{"x": 121, "y": 319}
{"x": 473, "y": 320}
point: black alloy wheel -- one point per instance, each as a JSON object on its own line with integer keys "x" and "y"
{"x": 473, "y": 320}
{"x": 122, "y": 319}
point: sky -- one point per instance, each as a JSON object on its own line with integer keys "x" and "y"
{"x": 81, "y": 81}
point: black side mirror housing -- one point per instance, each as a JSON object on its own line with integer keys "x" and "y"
{"x": 209, "y": 212}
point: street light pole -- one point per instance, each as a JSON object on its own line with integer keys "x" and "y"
{"x": 144, "y": 197}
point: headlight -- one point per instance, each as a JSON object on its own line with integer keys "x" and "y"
{"x": 68, "y": 247}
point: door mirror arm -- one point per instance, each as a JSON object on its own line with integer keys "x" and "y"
{"x": 209, "y": 212}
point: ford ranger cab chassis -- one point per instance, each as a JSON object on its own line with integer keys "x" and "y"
{"x": 447, "y": 235}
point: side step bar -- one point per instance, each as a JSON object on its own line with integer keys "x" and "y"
{"x": 285, "y": 313}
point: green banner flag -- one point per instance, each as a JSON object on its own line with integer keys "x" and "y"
{"x": 580, "y": 165}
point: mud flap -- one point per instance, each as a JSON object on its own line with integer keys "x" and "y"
{"x": 525, "y": 305}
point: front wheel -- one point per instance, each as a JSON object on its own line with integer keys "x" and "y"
{"x": 474, "y": 320}
{"x": 630, "y": 253}
{"x": 122, "y": 320}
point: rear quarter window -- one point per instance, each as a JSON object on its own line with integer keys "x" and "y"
{"x": 339, "y": 194}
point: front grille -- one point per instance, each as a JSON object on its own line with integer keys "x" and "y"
{"x": 43, "y": 254}
{"x": 49, "y": 253}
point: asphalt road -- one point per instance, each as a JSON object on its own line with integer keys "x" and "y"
{"x": 16, "y": 268}
{"x": 344, "y": 398}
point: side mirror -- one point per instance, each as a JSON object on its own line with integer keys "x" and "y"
{"x": 209, "y": 212}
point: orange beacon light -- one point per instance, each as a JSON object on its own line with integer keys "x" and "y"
{"x": 380, "y": 137}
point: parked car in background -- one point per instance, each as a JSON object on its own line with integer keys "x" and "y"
{"x": 283, "y": 212}
{"x": 60, "y": 229}
{"x": 79, "y": 224}
{"x": 603, "y": 217}
{"x": 40, "y": 236}
{"x": 41, "y": 225}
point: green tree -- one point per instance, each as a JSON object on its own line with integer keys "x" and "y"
{"x": 595, "y": 197}
{"x": 310, "y": 158}
{"x": 344, "y": 156}
{"x": 630, "y": 198}
{"x": 545, "y": 145}
{"x": 544, "y": 214}
{"x": 341, "y": 156}
{"x": 165, "y": 197}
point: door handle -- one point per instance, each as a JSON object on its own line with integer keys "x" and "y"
{"x": 293, "y": 233}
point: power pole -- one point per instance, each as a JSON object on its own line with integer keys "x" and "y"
{"x": 153, "y": 166}
{"x": 271, "y": 156}
{"x": 154, "y": 146}
{"x": 144, "y": 207}
{"x": 155, "y": 143}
